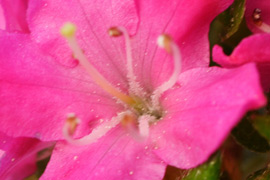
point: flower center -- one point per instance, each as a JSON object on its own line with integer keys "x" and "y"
{"x": 258, "y": 21}
{"x": 143, "y": 110}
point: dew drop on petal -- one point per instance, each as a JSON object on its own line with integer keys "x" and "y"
{"x": 130, "y": 172}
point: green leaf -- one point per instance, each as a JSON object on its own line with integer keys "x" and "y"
{"x": 263, "y": 174}
{"x": 262, "y": 124}
{"x": 207, "y": 171}
{"x": 228, "y": 22}
{"x": 246, "y": 135}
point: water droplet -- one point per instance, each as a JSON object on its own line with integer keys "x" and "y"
{"x": 131, "y": 172}
{"x": 156, "y": 147}
{"x": 13, "y": 159}
{"x": 98, "y": 100}
{"x": 75, "y": 158}
{"x": 4, "y": 142}
{"x": 138, "y": 157}
{"x": 146, "y": 147}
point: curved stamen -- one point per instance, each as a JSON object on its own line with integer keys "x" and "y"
{"x": 165, "y": 42}
{"x": 257, "y": 19}
{"x": 134, "y": 85}
{"x": 96, "y": 133}
{"x": 68, "y": 31}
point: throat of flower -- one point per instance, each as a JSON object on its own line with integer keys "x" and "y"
{"x": 143, "y": 109}
{"x": 258, "y": 21}
{"x": 68, "y": 31}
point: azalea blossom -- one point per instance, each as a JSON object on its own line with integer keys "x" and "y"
{"x": 20, "y": 155}
{"x": 125, "y": 90}
{"x": 255, "y": 48}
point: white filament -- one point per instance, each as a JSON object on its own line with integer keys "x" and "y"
{"x": 174, "y": 77}
{"x": 133, "y": 84}
{"x": 144, "y": 123}
{"x": 264, "y": 27}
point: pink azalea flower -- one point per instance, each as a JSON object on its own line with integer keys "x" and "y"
{"x": 255, "y": 48}
{"x": 135, "y": 108}
{"x": 19, "y": 156}
{"x": 257, "y": 15}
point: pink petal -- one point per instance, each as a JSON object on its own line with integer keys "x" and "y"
{"x": 115, "y": 156}
{"x": 2, "y": 19}
{"x": 93, "y": 19}
{"x": 15, "y": 15}
{"x": 203, "y": 110}
{"x": 187, "y": 22}
{"x": 19, "y": 159}
{"x": 256, "y": 49}
{"x": 38, "y": 93}
{"x": 251, "y": 5}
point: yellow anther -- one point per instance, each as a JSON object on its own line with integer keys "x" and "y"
{"x": 115, "y": 32}
{"x": 68, "y": 30}
{"x": 165, "y": 41}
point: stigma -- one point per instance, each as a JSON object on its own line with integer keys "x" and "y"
{"x": 140, "y": 109}
{"x": 258, "y": 21}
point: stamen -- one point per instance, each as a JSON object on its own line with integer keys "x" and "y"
{"x": 257, "y": 19}
{"x": 96, "y": 133}
{"x": 144, "y": 122}
{"x": 133, "y": 84}
{"x": 166, "y": 42}
{"x": 68, "y": 31}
